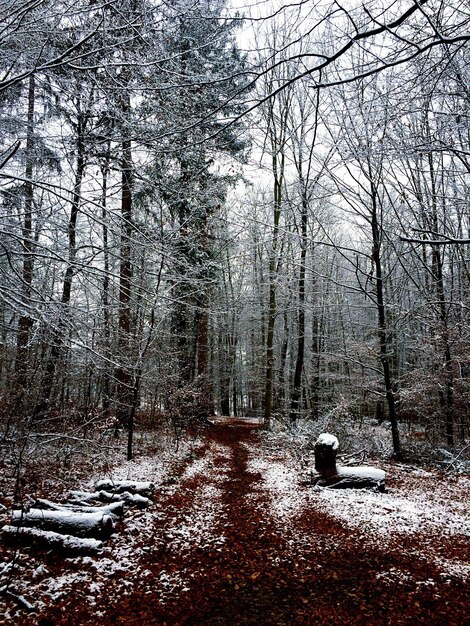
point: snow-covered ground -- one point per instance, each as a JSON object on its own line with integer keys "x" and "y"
{"x": 416, "y": 502}
{"x": 191, "y": 513}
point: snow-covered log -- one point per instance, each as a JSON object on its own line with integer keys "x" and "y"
{"x": 51, "y": 540}
{"x": 361, "y": 477}
{"x": 119, "y": 486}
{"x": 328, "y": 474}
{"x": 83, "y": 497}
{"x": 115, "y": 508}
{"x": 68, "y": 522}
{"x": 130, "y": 499}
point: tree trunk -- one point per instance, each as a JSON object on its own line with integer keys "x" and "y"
{"x": 25, "y": 322}
{"x": 66, "y": 522}
{"x": 123, "y": 373}
{"x": 382, "y": 321}
{"x": 106, "y": 389}
{"x": 299, "y": 362}
{"x": 438, "y": 276}
{"x": 65, "y": 544}
{"x": 278, "y": 171}
{"x": 59, "y": 333}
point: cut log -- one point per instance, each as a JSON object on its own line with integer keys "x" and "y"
{"x": 83, "y": 497}
{"x": 50, "y": 540}
{"x": 130, "y": 499}
{"x": 362, "y": 477}
{"x": 119, "y": 486}
{"x": 68, "y": 522}
{"x": 115, "y": 508}
{"x": 20, "y": 600}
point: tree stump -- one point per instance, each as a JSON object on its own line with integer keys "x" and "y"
{"x": 326, "y": 449}
{"x": 328, "y": 474}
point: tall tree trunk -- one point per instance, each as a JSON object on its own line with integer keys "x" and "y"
{"x": 278, "y": 170}
{"x": 25, "y": 322}
{"x": 299, "y": 362}
{"x": 106, "y": 389}
{"x": 123, "y": 373}
{"x": 438, "y": 276}
{"x": 382, "y": 320}
{"x": 60, "y": 332}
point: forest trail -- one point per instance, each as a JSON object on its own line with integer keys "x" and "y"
{"x": 236, "y": 538}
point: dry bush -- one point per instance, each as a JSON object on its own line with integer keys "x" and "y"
{"x": 191, "y": 404}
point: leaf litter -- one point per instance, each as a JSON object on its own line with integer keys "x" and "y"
{"x": 236, "y": 536}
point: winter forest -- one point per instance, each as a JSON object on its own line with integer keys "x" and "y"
{"x": 247, "y": 209}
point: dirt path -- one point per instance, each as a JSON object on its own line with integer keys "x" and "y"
{"x": 234, "y": 538}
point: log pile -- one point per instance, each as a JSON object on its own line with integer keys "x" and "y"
{"x": 80, "y": 525}
{"x": 328, "y": 474}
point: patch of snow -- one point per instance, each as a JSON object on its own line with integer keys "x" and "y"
{"x": 281, "y": 482}
{"x": 453, "y": 569}
{"x": 197, "y": 528}
{"x": 389, "y": 513}
{"x": 41, "y": 570}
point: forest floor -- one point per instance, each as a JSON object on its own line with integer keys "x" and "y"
{"x": 237, "y": 536}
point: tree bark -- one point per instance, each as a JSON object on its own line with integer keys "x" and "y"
{"x": 382, "y": 321}
{"x": 59, "y": 333}
{"x": 25, "y": 322}
{"x": 66, "y": 522}
{"x": 65, "y": 544}
{"x": 123, "y": 373}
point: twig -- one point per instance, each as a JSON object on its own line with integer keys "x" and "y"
{"x": 18, "y": 598}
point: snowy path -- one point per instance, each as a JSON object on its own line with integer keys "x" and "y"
{"x": 235, "y": 538}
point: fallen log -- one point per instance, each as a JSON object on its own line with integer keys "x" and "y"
{"x": 115, "y": 508}
{"x": 83, "y": 497}
{"x": 120, "y": 486}
{"x": 328, "y": 474}
{"x": 361, "y": 477}
{"x": 130, "y": 499}
{"x": 66, "y": 522}
{"x": 48, "y": 539}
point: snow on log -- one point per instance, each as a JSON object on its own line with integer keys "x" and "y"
{"x": 68, "y": 522}
{"x": 130, "y": 499}
{"x": 361, "y": 477}
{"x": 51, "y": 540}
{"x": 119, "y": 486}
{"x": 84, "y": 496}
{"x": 20, "y": 600}
{"x": 328, "y": 474}
{"x": 115, "y": 508}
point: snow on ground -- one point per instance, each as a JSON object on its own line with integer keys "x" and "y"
{"x": 416, "y": 502}
{"x": 196, "y": 528}
{"x": 423, "y": 504}
{"x": 183, "y": 534}
{"x": 391, "y": 513}
{"x": 122, "y": 554}
{"x": 279, "y": 480}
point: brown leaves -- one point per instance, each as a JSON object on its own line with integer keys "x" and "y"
{"x": 313, "y": 570}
